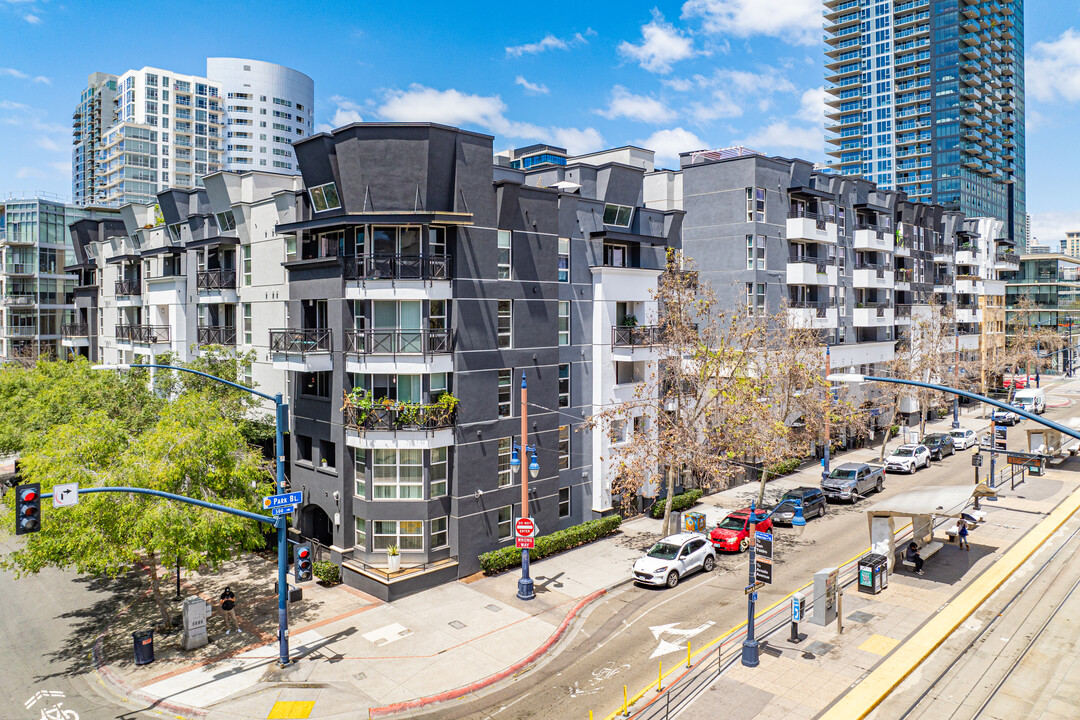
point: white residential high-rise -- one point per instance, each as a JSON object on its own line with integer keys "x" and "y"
{"x": 168, "y": 130}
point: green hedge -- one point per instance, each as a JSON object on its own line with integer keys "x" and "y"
{"x": 557, "y": 542}
{"x": 784, "y": 467}
{"x": 328, "y": 572}
{"x": 680, "y": 503}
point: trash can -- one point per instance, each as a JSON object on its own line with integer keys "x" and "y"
{"x": 144, "y": 646}
{"x": 694, "y": 522}
{"x": 873, "y": 573}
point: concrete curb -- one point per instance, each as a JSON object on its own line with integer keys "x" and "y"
{"x": 396, "y": 708}
{"x": 868, "y": 694}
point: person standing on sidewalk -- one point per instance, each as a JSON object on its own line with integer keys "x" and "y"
{"x": 962, "y": 535}
{"x": 228, "y": 609}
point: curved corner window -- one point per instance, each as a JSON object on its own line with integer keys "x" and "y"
{"x": 325, "y": 197}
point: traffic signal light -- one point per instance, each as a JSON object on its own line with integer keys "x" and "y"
{"x": 302, "y": 561}
{"x": 27, "y": 508}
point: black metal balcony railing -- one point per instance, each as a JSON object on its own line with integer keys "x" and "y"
{"x": 943, "y": 249}
{"x": 128, "y": 287}
{"x": 393, "y": 266}
{"x": 220, "y": 279}
{"x": 393, "y": 415}
{"x": 305, "y": 342}
{"x": 636, "y": 335}
{"x": 70, "y": 330}
{"x": 1006, "y": 257}
{"x": 147, "y": 334}
{"x": 903, "y": 311}
{"x": 397, "y": 342}
{"x": 217, "y": 335}
{"x": 811, "y": 304}
{"x": 944, "y": 280}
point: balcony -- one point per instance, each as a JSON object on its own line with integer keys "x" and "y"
{"x": 944, "y": 283}
{"x": 220, "y": 279}
{"x": 14, "y": 268}
{"x": 128, "y": 288}
{"x": 142, "y": 334}
{"x": 812, "y": 314}
{"x": 392, "y": 276}
{"x": 808, "y": 270}
{"x": 969, "y": 314}
{"x": 944, "y": 253}
{"x": 902, "y": 278}
{"x": 868, "y": 237}
{"x": 1006, "y": 261}
{"x": 880, "y": 315}
{"x": 806, "y": 226}
{"x": 396, "y": 351}
{"x": 872, "y": 275}
{"x": 377, "y": 423}
{"x": 75, "y": 335}
{"x": 21, "y": 301}
{"x": 630, "y": 336}
{"x": 216, "y": 335}
{"x": 967, "y": 284}
{"x": 305, "y": 350}
{"x": 967, "y": 254}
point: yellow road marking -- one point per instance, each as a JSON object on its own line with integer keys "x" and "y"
{"x": 879, "y": 644}
{"x": 291, "y": 710}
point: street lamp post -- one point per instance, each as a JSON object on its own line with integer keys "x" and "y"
{"x": 750, "y": 646}
{"x": 956, "y": 400}
{"x": 525, "y": 583}
{"x": 828, "y": 407}
{"x": 281, "y": 421}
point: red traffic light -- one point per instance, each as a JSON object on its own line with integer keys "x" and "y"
{"x": 303, "y": 553}
{"x": 28, "y": 496}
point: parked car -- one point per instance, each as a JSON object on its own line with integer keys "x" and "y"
{"x": 1004, "y": 417}
{"x": 851, "y": 481}
{"x": 963, "y": 439}
{"x": 733, "y": 532}
{"x": 1032, "y": 400}
{"x": 908, "y": 458}
{"x": 811, "y": 499}
{"x": 673, "y": 558}
{"x": 939, "y": 445}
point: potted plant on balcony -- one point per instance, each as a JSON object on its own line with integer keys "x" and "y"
{"x": 442, "y": 410}
{"x": 630, "y": 321}
{"x": 393, "y": 558}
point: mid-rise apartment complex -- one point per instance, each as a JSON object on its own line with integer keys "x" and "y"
{"x": 1045, "y": 293}
{"x": 162, "y": 129}
{"x": 927, "y": 97}
{"x": 1071, "y": 244}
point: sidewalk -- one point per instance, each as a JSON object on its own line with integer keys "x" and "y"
{"x": 373, "y": 658}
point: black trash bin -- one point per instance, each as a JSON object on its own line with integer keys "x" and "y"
{"x": 873, "y": 573}
{"x": 144, "y": 646}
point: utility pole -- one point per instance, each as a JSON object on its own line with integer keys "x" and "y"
{"x": 525, "y": 583}
{"x": 956, "y": 368}
{"x": 828, "y": 407}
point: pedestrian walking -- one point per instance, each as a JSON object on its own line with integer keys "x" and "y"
{"x": 913, "y": 556}
{"x": 228, "y": 609}
{"x": 962, "y": 534}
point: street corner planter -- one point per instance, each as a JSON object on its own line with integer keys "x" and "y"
{"x": 393, "y": 563}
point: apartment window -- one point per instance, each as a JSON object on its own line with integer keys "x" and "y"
{"x": 564, "y": 322}
{"x": 505, "y": 242}
{"x": 360, "y": 533}
{"x": 564, "y": 259}
{"x": 755, "y": 204}
{"x": 506, "y": 451}
{"x": 618, "y": 215}
{"x": 506, "y": 393}
{"x": 439, "y": 535}
{"x": 247, "y": 266}
{"x": 564, "y": 447}
{"x": 405, "y": 534}
{"x": 505, "y": 326}
{"x": 397, "y": 474}
{"x": 303, "y": 448}
{"x": 506, "y": 520}
{"x": 325, "y": 197}
{"x": 174, "y": 230}
{"x": 226, "y": 221}
{"x": 564, "y": 385}
{"x": 618, "y": 431}
{"x": 755, "y": 252}
{"x": 564, "y": 502}
{"x": 327, "y": 454}
{"x": 439, "y": 471}
{"x": 629, "y": 372}
{"x": 360, "y": 474}
{"x": 247, "y": 323}
{"x": 316, "y": 384}
{"x": 755, "y": 298}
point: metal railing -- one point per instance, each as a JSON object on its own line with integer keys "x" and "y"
{"x": 304, "y": 341}
{"x": 395, "y": 266}
{"x": 395, "y": 341}
{"x": 147, "y": 334}
{"x": 23, "y": 300}
{"x": 636, "y": 335}
{"x": 220, "y": 279}
{"x": 74, "y": 330}
{"x": 128, "y": 287}
{"x": 390, "y": 415}
{"x": 1007, "y": 257}
{"x": 217, "y": 335}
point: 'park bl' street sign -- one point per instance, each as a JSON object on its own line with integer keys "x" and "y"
{"x": 271, "y": 502}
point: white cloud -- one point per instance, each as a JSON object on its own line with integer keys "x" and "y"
{"x": 679, "y": 84}
{"x": 793, "y": 21}
{"x": 346, "y": 111}
{"x": 46, "y": 143}
{"x": 719, "y": 105}
{"x": 31, "y": 18}
{"x": 642, "y": 108}
{"x": 550, "y": 42}
{"x": 662, "y": 44}
{"x": 782, "y": 134}
{"x": 12, "y": 72}
{"x": 1053, "y": 68}
{"x": 453, "y": 107}
{"x": 27, "y": 172}
{"x": 31, "y": 121}
{"x": 1049, "y": 227}
{"x": 531, "y": 88}
{"x": 667, "y": 144}
{"x": 812, "y": 105}
{"x": 768, "y": 80}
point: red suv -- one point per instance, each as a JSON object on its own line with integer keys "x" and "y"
{"x": 732, "y": 534}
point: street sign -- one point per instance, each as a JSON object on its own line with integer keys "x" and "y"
{"x": 763, "y": 551}
{"x": 524, "y": 543}
{"x": 763, "y": 570}
{"x": 277, "y": 501}
{"x": 753, "y": 597}
{"x": 525, "y": 527}
{"x": 65, "y": 495}
{"x": 1000, "y": 436}
{"x": 763, "y": 545}
{"x": 976, "y": 460}
{"x": 756, "y": 586}
{"x": 283, "y": 510}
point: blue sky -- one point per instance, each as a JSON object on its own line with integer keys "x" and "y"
{"x": 669, "y": 76}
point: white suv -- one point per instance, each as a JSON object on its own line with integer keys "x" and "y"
{"x": 908, "y": 458}
{"x": 674, "y": 557}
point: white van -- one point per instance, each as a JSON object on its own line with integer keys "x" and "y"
{"x": 1032, "y": 400}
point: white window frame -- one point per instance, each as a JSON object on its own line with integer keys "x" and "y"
{"x": 360, "y": 474}
{"x": 505, "y": 381}
{"x": 755, "y": 204}
{"x": 564, "y": 395}
{"x": 505, "y": 257}
{"x": 248, "y": 325}
{"x": 564, "y": 447}
{"x": 322, "y": 195}
{"x": 505, "y": 522}
{"x": 503, "y": 453}
{"x": 247, "y": 265}
{"x": 564, "y": 253}
{"x": 508, "y": 334}
{"x": 629, "y": 217}
{"x": 414, "y": 487}
{"x": 439, "y": 526}
{"x": 380, "y": 540}
{"x": 564, "y": 332}
{"x": 360, "y": 533}
{"x": 438, "y": 487}
{"x": 567, "y": 502}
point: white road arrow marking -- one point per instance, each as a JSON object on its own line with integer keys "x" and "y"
{"x": 666, "y": 647}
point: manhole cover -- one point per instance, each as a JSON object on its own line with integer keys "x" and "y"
{"x": 493, "y": 608}
{"x": 860, "y": 617}
{"x": 818, "y": 648}
{"x": 457, "y": 624}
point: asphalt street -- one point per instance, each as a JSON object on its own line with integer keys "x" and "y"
{"x": 634, "y": 628}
